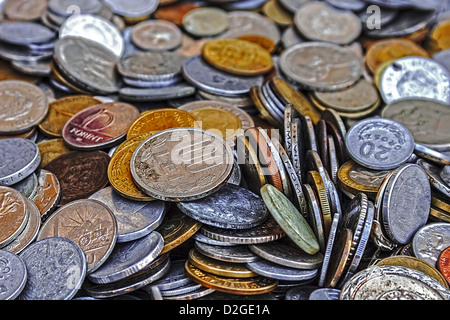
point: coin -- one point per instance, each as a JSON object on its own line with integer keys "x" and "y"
{"x": 430, "y": 240}
{"x": 19, "y": 158}
{"x": 93, "y": 229}
{"x": 175, "y": 12}
{"x": 99, "y": 126}
{"x": 338, "y": 258}
{"x": 63, "y": 264}
{"x": 315, "y": 181}
{"x": 24, "y": 32}
{"x": 24, "y": 106}
{"x": 160, "y": 119}
{"x": 438, "y": 38}
{"x": 273, "y": 10}
{"x": 48, "y": 193}
{"x": 134, "y": 8}
{"x": 325, "y": 294}
{"x": 235, "y": 253}
{"x": 379, "y": 144}
{"x": 24, "y": 10}
{"x": 51, "y": 149}
{"x": 237, "y": 56}
{"x": 80, "y": 173}
{"x": 14, "y": 214}
{"x": 156, "y": 35}
{"x": 205, "y": 22}
{"x": 280, "y": 272}
{"x": 61, "y": 7}
{"x": 443, "y": 263}
{"x": 178, "y": 150}
{"x": 434, "y": 176}
{"x": 15, "y": 275}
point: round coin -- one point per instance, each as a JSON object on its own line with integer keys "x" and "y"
{"x": 156, "y": 35}
{"x": 133, "y": 8}
{"x": 205, "y": 22}
{"x": 14, "y": 275}
{"x": 443, "y": 263}
{"x": 14, "y": 214}
{"x": 430, "y": 240}
{"x": 24, "y": 32}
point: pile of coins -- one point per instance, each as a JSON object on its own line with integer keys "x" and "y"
{"x": 211, "y": 150}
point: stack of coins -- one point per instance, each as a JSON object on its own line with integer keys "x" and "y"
{"x": 258, "y": 149}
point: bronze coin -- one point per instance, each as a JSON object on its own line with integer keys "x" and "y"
{"x": 99, "y": 126}
{"x": 13, "y": 214}
{"x": 80, "y": 174}
{"x": 443, "y": 263}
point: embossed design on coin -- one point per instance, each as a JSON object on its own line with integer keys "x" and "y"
{"x": 430, "y": 240}
{"x": 13, "y": 274}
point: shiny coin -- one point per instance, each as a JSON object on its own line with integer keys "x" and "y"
{"x": 93, "y": 229}
{"x": 430, "y": 240}
{"x": 237, "y": 56}
{"x": 51, "y": 149}
{"x": 134, "y": 219}
{"x": 99, "y": 126}
{"x": 156, "y": 35}
{"x": 201, "y": 177}
{"x": 325, "y": 294}
{"x": 205, "y": 22}
{"x": 24, "y": 106}
{"x": 28, "y": 186}
{"x": 48, "y": 192}
{"x": 340, "y": 254}
{"x": 61, "y": 7}
{"x": 340, "y": 67}
{"x": 432, "y": 155}
{"x": 19, "y": 158}
{"x": 63, "y": 263}
{"x": 175, "y": 278}
{"x": 319, "y": 21}
{"x": 231, "y": 207}
{"x": 129, "y": 258}
{"x": 80, "y": 173}
{"x": 14, "y": 214}
{"x": 14, "y": 275}
{"x": 236, "y": 254}
{"x": 290, "y": 219}
{"x": 134, "y": 8}
{"x": 379, "y": 144}
{"x": 273, "y": 10}
{"x": 434, "y": 176}
{"x": 443, "y": 263}
{"x": 415, "y": 77}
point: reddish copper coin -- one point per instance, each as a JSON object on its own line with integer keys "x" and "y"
{"x": 99, "y": 126}
{"x": 443, "y": 263}
{"x": 80, "y": 174}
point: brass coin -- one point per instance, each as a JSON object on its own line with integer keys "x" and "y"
{"x": 51, "y": 149}
{"x": 13, "y": 214}
{"x": 237, "y": 56}
{"x": 263, "y": 41}
{"x": 315, "y": 181}
{"x": 439, "y": 38}
{"x": 161, "y": 119}
{"x": 255, "y": 96}
{"x": 61, "y": 110}
{"x": 274, "y": 11}
{"x": 439, "y": 215}
{"x": 219, "y": 268}
{"x": 440, "y": 203}
{"x": 248, "y": 286}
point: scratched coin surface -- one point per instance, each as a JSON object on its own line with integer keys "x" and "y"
{"x": 13, "y": 275}
{"x": 379, "y": 144}
{"x": 23, "y": 106}
{"x": 88, "y": 223}
{"x": 56, "y": 269}
{"x": 182, "y": 163}
{"x": 99, "y": 126}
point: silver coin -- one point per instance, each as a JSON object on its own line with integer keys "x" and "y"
{"x": 133, "y": 8}
{"x": 353, "y": 5}
{"x": 192, "y": 291}
{"x": 445, "y": 175}
{"x": 28, "y": 187}
{"x": 56, "y": 269}
{"x": 293, "y": 5}
{"x": 430, "y": 240}
{"x": 298, "y": 149}
{"x": 379, "y": 144}
{"x": 34, "y": 68}
{"x": 434, "y": 176}
{"x": 415, "y": 77}
{"x": 315, "y": 215}
{"x": 231, "y": 207}
{"x": 321, "y": 65}
{"x": 135, "y": 219}
{"x": 237, "y": 254}
{"x": 432, "y": 155}
{"x": 94, "y": 28}
{"x": 176, "y": 293}
{"x": 325, "y": 294}
{"x": 443, "y": 57}
{"x": 24, "y": 32}
{"x": 156, "y": 35}
{"x": 64, "y": 8}
{"x": 19, "y": 158}
{"x": 207, "y": 78}
{"x": 128, "y": 258}
{"x": 200, "y": 237}
{"x": 11, "y": 52}
{"x": 175, "y": 278}
{"x": 332, "y": 236}
{"x": 156, "y": 94}
{"x": 13, "y": 275}
{"x": 392, "y": 283}
{"x": 386, "y": 16}
{"x": 280, "y": 272}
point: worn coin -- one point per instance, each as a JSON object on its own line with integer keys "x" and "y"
{"x": 14, "y": 275}
{"x": 205, "y": 22}
{"x": 430, "y": 240}
{"x": 51, "y": 149}
{"x": 93, "y": 229}
{"x": 156, "y": 35}
{"x": 56, "y": 268}
{"x": 48, "y": 192}
{"x": 434, "y": 176}
{"x": 280, "y": 271}
{"x": 24, "y": 10}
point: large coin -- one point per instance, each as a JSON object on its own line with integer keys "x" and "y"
{"x": 181, "y": 164}
{"x": 133, "y": 8}
{"x": 88, "y": 223}
{"x": 379, "y": 144}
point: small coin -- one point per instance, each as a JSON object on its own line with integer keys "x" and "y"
{"x": 48, "y": 193}
{"x": 156, "y": 35}
{"x": 273, "y": 10}
{"x": 15, "y": 275}
{"x": 237, "y": 56}
{"x": 93, "y": 229}
{"x": 133, "y": 8}
{"x": 205, "y": 22}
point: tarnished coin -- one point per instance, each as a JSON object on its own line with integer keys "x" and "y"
{"x": 318, "y": 21}
{"x": 14, "y": 275}
{"x": 51, "y": 149}
{"x": 174, "y": 154}
{"x": 93, "y": 229}
{"x": 134, "y": 219}
{"x": 339, "y": 255}
{"x": 176, "y": 277}
{"x": 205, "y": 22}
{"x": 156, "y": 35}
{"x": 19, "y": 158}
{"x": 339, "y": 67}
{"x": 430, "y": 240}
{"x": 80, "y": 173}
{"x": 290, "y": 219}
{"x": 379, "y": 144}
{"x": 48, "y": 193}
{"x": 56, "y": 269}
{"x": 23, "y": 106}
{"x": 415, "y": 77}
{"x": 237, "y": 56}
{"x": 129, "y": 258}
{"x": 231, "y": 207}
{"x": 99, "y": 126}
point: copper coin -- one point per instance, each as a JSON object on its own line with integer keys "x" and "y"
{"x": 80, "y": 174}
{"x": 443, "y": 263}
{"x": 174, "y": 13}
{"x": 90, "y": 224}
{"x": 13, "y": 214}
{"x": 99, "y": 126}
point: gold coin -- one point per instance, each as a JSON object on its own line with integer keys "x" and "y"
{"x": 161, "y": 119}
{"x": 61, "y": 110}
{"x": 246, "y": 286}
{"x": 391, "y": 49}
{"x": 440, "y": 204}
{"x": 316, "y": 182}
{"x": 440, "y": 37}
{"x": 290, "y": 95}
{"x": 348, "y": 115}
{"x": 132, "y": 141}
{"x": 237, "y": 56}
{"x": 51, "y": 149}
{"x": 277, "y": 13}
{"x": 254, "y": 95}
{"x": 379, "y": 72}
{"x": 263, "y": 41}
{"x": 219, "y": 268}
{"x": 415, "y": 264}
{"x": 439, "y": 214}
